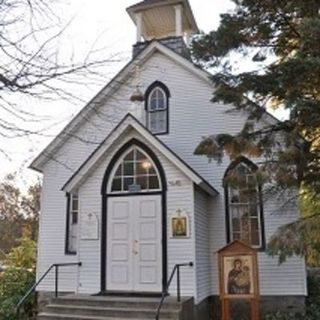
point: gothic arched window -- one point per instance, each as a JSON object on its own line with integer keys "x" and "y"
{"x": 157, "y": 107}
{"x": 244, "y": 204}
{"x": 135, "y": 172}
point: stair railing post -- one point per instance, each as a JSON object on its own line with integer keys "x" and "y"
{"x": 56, "y": 281}
{"x": 165, "y": 291}
{"x": 178, "y": 284}
{"x": 55, "y": 266}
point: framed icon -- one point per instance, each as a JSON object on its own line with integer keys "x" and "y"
{"x": 238, "y": 275}
{"x": 238, "y": 271}
{"x": 180, "y": 225}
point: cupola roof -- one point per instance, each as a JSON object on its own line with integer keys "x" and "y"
{"x": 158, "y": 19}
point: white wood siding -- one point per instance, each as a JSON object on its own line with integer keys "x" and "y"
{"x": 57, "y": 171}
{"x": 286, "y": 279}
{"x": 179, "y": 250}
{"x": 52, "y": 234}
{"x": 191, "y": 116}
{"x": 202, "y": 246}
{"x": 190, "y": 100}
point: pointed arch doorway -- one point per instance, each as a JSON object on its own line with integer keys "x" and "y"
{"x": 134, "y": 250}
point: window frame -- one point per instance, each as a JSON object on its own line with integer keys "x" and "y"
{"x": 117, "y": 165}
{"x": 70, "y": 223}
{"x": 229, "y": 232}
{"x": 154, "y": 86}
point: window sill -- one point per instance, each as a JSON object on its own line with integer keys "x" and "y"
{"x": 160, "y": 133}
{"x": 69, "y": 253}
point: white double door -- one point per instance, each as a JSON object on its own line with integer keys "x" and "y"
{"x": 134, "y": 250}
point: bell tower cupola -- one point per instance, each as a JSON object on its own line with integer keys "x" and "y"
{"x": 171, "y": 22}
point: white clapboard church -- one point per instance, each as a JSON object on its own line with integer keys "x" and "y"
{"x": 125, "y": 199}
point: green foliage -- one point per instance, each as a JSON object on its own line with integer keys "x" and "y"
{"x": 13, "y": 285}
{"x": 18, "y": 211}
{"x": 19, "y": 215}
{"x": 24, "y": 255}
{"x": 281, "y": 316}
{"x": 285, "y": 36}
{"x": 301, "y": 237}
{"x": 288, "y": 241}
{"x": 310, "y": 207}
{"x": 17, "y": 278}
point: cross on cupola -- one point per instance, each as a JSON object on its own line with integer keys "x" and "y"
{"x": 160, "y": 19}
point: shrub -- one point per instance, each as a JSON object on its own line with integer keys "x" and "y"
{"x": 17, "y": 278}
{"x": 312, "y": 311}
{"x": 14, "y": 283}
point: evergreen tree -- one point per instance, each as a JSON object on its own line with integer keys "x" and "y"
{"x": 280, "y": 41}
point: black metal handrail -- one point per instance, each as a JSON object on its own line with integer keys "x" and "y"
{"x": 165, "y": 291}
{"x": 56, "y": 286}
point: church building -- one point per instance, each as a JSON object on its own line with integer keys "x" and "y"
{"x": 125, "y": 201}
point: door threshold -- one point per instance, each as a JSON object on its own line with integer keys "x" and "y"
{"x": 131, "y": 294}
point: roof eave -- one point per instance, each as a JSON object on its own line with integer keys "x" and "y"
{"x": 208, "y": 189}
{"x": 35, "y": 167}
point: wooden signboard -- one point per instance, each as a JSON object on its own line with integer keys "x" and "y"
{"x": 90, "y": 227}
{"x": 239, "y": 279}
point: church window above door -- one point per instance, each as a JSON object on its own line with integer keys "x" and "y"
{"x": 157, "y": 107}
{"x": 135, "y": 172}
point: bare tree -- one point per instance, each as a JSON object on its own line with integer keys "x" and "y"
{"x": 33, "y": 64}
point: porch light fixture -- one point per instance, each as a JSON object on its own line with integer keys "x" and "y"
{"x": 137, "y": 95}
{"x": 146, "y": 165}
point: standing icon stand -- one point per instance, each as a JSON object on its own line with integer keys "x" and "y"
{"x": 239, "y": 279}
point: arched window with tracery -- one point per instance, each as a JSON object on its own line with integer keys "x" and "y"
{"x": 134, "y": 172}
{"x": 157, "y": 107}
{"x": 244, "y": 209}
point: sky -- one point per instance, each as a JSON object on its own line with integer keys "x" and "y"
{"x": 97, "y": 24}
{"x": 106, "y": 27}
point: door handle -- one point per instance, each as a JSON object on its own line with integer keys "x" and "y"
{"x": 135, "y": 247}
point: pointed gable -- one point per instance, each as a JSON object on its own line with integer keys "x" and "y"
{"x": 115, "y": 137}
{"x": 107, "y": 92}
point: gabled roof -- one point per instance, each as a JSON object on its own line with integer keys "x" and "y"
{"x": 238, "y": 247}
{"x": 108, "y": 90}
{"x": 129, "y": 122}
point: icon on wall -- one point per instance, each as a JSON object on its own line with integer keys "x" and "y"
{"x": 180, "y": 224}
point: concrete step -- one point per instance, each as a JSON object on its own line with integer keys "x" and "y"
{"x": 50, "y": 316}
{"x": 124, "y": 313}
{"x": 118, "y": 302}
{"x": 85, "y": 307}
